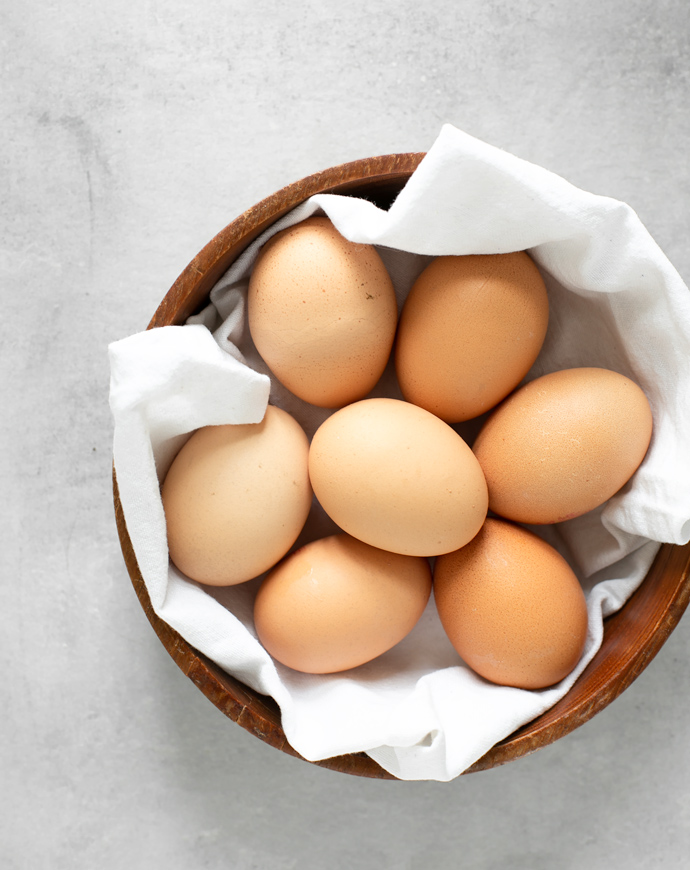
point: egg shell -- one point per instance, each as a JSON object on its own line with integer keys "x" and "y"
{"x": 322, "y": 313}
{"x": 236, "y": 498}
{"x": 563, "y": 444}
{"x": 470, "y": 330}
{"x": 397, "y": 477}
{"x": 512, "y": 607}
{"x": 337, "y": 603}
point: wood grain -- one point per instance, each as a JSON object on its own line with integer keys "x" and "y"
{"x": 632, "y": 636}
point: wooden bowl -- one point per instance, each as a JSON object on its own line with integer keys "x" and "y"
{"x": 632, "y": 636}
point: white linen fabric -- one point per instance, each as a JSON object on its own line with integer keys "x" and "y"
{"x": 615, "y": 302}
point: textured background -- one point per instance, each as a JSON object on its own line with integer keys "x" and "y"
{"x": 130, "y": 134}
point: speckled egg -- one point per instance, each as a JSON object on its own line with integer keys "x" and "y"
{"x": 337, "y": 603}
{"x": 322, "y": 313}
{"x": 563, "y": 444}
{"x": 512, "y": 607}
{"x": 470, "y": 330}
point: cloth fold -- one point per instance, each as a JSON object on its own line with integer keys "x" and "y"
{"x": 615, "y": 302}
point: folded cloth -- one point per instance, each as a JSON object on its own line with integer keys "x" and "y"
{"x": 615, "y": 302}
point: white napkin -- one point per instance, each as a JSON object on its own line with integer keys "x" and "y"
{"x": 615, "y": 302}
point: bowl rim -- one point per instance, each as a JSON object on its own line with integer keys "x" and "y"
{"x": 632, "y": 636}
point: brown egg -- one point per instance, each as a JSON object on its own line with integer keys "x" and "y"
{"x": 469, "y": 332}
{"x": 322, "y": 313}
{"x": 397, "y": 477}
{"x": 563, "y": 444}
{"x": 236, "y": 498}
{"x": 512, "y": 607}
{"x": 337, "y": 603}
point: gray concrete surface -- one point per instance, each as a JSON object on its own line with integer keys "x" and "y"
{"x": 131, "y": 133}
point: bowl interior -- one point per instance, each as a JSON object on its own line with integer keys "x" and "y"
{"x": 632, "y": 636}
